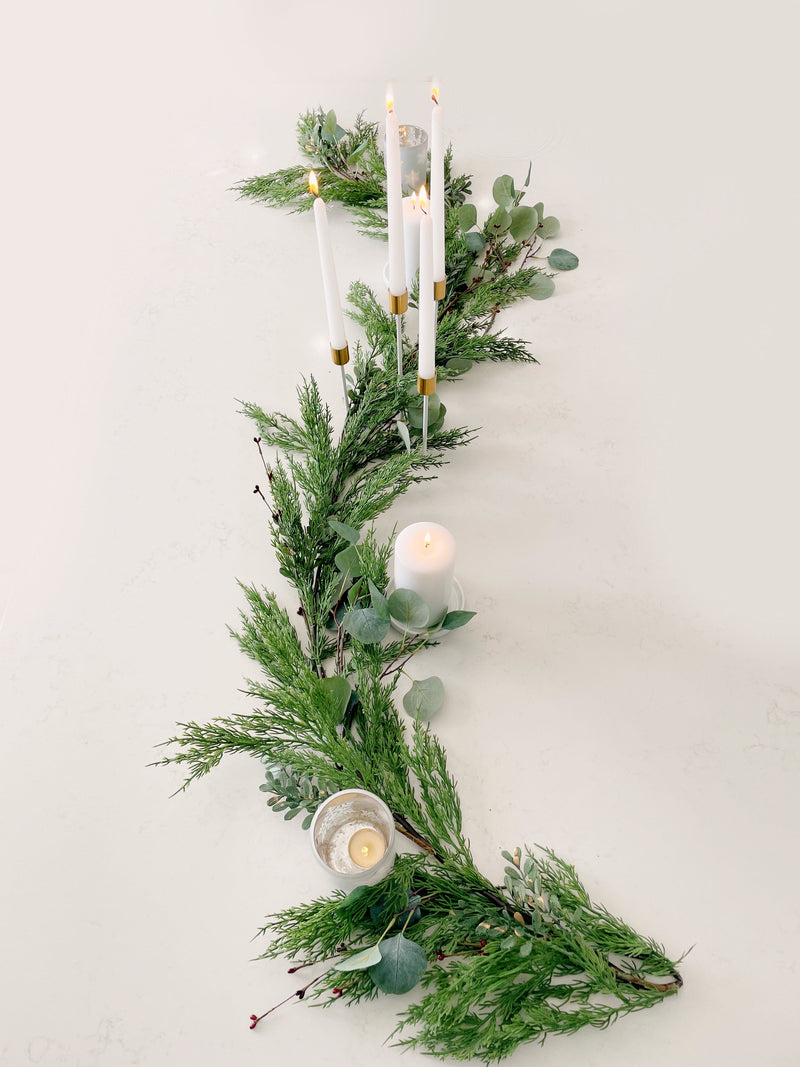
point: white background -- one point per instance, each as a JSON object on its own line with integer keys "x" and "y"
{"x": 627, "y": 520}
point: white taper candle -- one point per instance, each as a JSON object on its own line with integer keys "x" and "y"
{"x": 394, "y": 201}
{"x": 333, "y": 304}
{"x": 437, "y": 186}
{"x": 427, "y": 305}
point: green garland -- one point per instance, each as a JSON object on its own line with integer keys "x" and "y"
{"x": 498, "y": 966}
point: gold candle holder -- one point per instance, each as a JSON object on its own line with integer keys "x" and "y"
{"x": 398, "y": 305}
{"x": 426, "y": 386}
{"x": 439, "y": 289}
{"x": 340, "y": 356}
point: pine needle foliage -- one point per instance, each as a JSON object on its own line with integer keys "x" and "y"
{"x": 506, "y": 964}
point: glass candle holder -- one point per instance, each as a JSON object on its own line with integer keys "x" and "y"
{"x": 352, "y": 836}
{"x": 413, "y": 158}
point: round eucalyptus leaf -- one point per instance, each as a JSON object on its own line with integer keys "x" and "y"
{"x": 416, "y": 406}
{"x": 379, "y": 601}
{"x": 347, "y": 533}
{"x": 409, "y": 608}
{"x": 368, "y": 958}
{"x": 549, "y": 227}
{"x": 561, "y": 259}
{"x": 348, "y": 563}
{"x": 475, "y": 241}
{"x": 500, "y": 221}
{"x": 402, "y": 964}
{"x": 503, "y": 190}
{"x": 467, "y": 216}
{"x": 366, "y": 625}
{"x": 541, "y": 287}
{"x": 524, "y": 222}
{"x": 424, "y": 698}
{"x": 339, "y": 690}
{"x": 457, "y": 365}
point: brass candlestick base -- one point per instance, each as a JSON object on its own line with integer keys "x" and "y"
{"x": 439, "y": 289}
{"x": 398, "y": 305}
{"x": 426, "y": 386}
{"x": 340, "y": 356}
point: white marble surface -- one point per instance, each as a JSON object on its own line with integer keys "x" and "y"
{"x": 627, "y": 520}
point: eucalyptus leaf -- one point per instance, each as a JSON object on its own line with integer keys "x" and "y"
{"x": 467, "y": 216}
{"x": 527, "y": 181}
{"x": 503, "y": 190}
{"x": 475, "y": 242}
{"x": 539, "y": 209}
{"x": 366, "y": 625}
{"x": 524, "y": 222}
{"x": 403, "y": 963}
{"x": 416, "y": 407}
{"x": 379, "y": 601}
{"x": 380, "y": 912}
{"x": 500, "y": 221}
{"x": 424, "y": 698}
{"x": 561, "y": 259}
{"x": 405, "y": 436}
{"x": 454, "y": 619}
{"x": 368, "y": 958}
{"x": 541, "y": 287}
{"x": 347, "y": 533}
{"x": 457, "y": 365}
{"x": 357, "y": 153}
{"x": 339, "y": 690}
{"x": 409, "y": 608}
{"x": 549, "y": 226}
{"x": 352, "y": 897}
{"x": 329, "y": 128}
{"x": 349, "y": 563}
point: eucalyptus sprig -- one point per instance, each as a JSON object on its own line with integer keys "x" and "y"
{"x": 498, "y": 965}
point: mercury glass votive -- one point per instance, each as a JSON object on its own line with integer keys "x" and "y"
{"x": 413, "y": 158}
{"x": 352, "y": 836}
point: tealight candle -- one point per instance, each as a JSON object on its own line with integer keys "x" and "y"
{"x": 352, "y": 836}
{"x": 366, "y": 847}
{"x": 424, "y": 561}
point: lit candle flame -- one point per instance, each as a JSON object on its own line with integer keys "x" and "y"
{"x": 435, "y": 93}
{"x": 414, "y": 201}
{"x": 423, "y": 198}
{"x": 313, "y": 184}
{"x": 364, "y": 850}
{"x": 389, "y": 98}
{"x": 427, "y": 541}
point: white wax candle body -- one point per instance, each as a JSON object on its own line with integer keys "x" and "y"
{"x": 394, "y": 205}
{"x": 427, "y": 305}
{"x": 411, "y": 216}
{"x": 333, "y": 305}
{"x": 437, "y": 191}
{"x": 424, "y": 560}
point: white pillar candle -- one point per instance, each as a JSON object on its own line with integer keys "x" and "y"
{"x": 411, "y": 217}
{"x": 394, "y": 202}
{"x": 333, "y": 305}
{"x": 437, "y": 186}
{"x": 424, "y": 560}
{"x": 427, "y": 305}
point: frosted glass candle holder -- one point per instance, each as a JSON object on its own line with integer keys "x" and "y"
{"x": 352, "y": 836}
{"x": 413, "y": 158}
